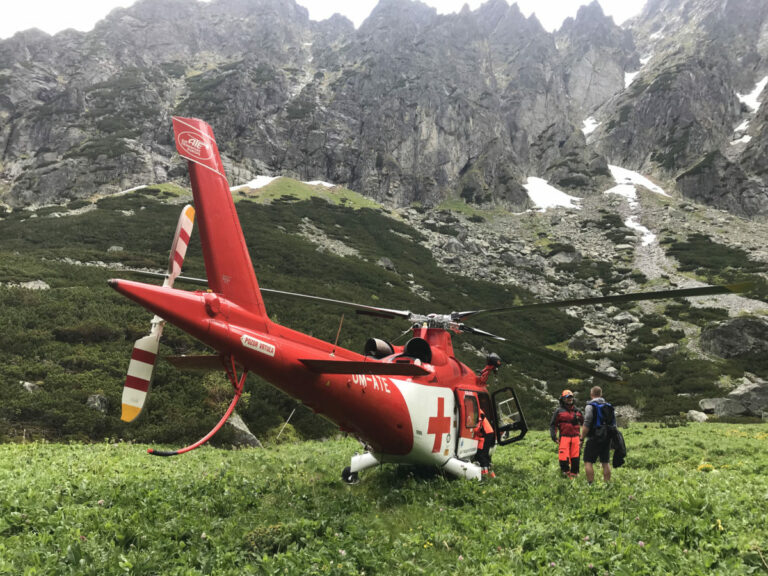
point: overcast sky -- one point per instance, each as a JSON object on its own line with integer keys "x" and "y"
{"x": 55, "y": 15}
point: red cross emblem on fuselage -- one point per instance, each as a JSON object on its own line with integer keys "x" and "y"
{"x": 439, "y": 425}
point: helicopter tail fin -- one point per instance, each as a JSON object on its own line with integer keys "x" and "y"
{"x": 227, "y": 262}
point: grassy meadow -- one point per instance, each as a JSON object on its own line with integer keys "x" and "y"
{"x": 690, "y": 500}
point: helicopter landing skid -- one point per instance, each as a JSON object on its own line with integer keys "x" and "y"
{"x": 359, "y": 462}
{"x": 462, "y": 469}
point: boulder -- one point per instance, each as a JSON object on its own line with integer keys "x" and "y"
{"x": 624, "y": 318}
{"x": 35, "y": 285}
{"x": 722, "y": 407}
{"x": 626, "y": 414}
{"x": 98, "y": 402}
{"x": 31, "y": 386}
{"x": 745, "y": 336}
{"x": 666, "y": 352}
{"x": 242, "y": 435}
{"x": 564, "y": 257}
{"x": 387, "y": 264}
{"x": 453, "y": 246}
{"x": 582, "y": 342}
{"x": 514, "y": 259}
{"x": 752, "y": 395}
{"x": 696, "y": 416}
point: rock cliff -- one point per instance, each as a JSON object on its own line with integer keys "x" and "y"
{"x": 411, "y": 107}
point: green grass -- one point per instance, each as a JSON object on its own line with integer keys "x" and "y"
{"x": 469, "y": 210}
{"x": 166, "y": 190}
{"x": 288, "y": 189}
{"x": 690, "y": 500}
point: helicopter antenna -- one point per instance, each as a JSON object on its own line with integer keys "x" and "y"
{"x": 401, "y": 336}
{"x": 338, "y": 333}
{"x": 284, "y": 425}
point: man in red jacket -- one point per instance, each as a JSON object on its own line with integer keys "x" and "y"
{"x": 567, "y": 420}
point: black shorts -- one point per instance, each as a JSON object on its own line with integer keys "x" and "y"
{"x": 597, "y": 449}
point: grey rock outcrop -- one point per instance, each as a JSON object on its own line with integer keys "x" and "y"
{"x": 696, "y": 416}
{"x": 626, "y": 414}
{"x": 31, "y": 386}
{"x": 242, "y": 434}
{"x": 98, "y": 402}
{"x": 665, "y": 352}
{"x": 736, "y": 338}
{"x": 722, "y": 407}
{"x": 596, "y": 54}
{"x": 750, "y": 398}
{"x": 752, "y": 394}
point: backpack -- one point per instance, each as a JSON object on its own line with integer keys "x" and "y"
{"x": 605, "y": 420}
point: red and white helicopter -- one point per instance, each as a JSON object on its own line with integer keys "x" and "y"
{"x": 413, "y": 404}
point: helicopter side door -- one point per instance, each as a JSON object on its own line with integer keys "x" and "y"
{"x": 511, "y": 426}
{"x": 468, "y": 407}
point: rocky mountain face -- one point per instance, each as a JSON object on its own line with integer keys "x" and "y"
{"x": 411, "y": 107}
{"x": 684, "y": 116}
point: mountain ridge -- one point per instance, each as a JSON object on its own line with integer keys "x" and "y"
{"x": 411, "y": 107}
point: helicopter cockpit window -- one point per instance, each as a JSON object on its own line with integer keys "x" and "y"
{"x": 471, "y": 412}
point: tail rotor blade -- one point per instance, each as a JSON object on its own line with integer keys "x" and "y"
{"x": 139, "y": 376}
{"x": 180, "y": 243}
{"x": 144, "y": 354}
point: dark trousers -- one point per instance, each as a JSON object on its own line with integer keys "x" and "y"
{"x": 483, "y": 455}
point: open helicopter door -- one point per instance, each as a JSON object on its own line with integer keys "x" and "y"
{"x": 511, "y": 425}
{"x": 469, "y": 413}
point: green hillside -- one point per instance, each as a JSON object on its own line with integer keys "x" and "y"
{"x": 689, "y": 500}
{"x": 74, "y": 339}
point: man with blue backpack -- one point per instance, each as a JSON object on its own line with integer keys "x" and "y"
{"x": 599, "y": 428}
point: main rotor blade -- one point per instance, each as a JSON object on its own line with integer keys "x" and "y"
{"x": 637, "y": 296}
{"x": 563, "y": 362}
{"x": 470, "y": 330}
{"x": 164, "y": 275}
{"x": 359, "y": 308}
{"x": 542, "y": 354}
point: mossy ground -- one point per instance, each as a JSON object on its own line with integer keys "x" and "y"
{"x": 689, "y": 500}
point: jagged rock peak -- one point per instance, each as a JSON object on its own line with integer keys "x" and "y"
{"x": 493, "y": 10}
{"x": 592, "y": 29}
{"x": 252, "y": 8}
{"x": 515, "y": 19}
{"x": 337, "y": 25}
{"x": 590, "y": 20}
{"x": 411, "y": 14}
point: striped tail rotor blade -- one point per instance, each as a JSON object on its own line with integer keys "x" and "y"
{"x": 180, "y": 242}
{"x": 139, "y": 377}
{"x": 145, "y": 349}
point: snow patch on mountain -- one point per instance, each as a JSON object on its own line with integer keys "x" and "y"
{"x": 544, "y": 196}
{"x": 753, "y": 98}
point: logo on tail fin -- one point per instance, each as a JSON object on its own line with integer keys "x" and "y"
{"x": 194, "y": 147}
